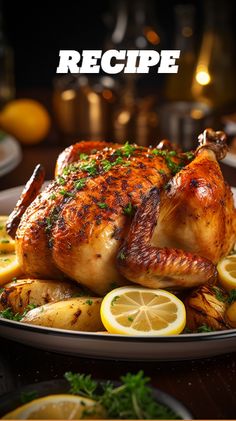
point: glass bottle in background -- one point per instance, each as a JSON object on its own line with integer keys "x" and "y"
{"x": 7, "y": 88}
{"x": 214, "y": 76}
{"x": 133, "y": 26}
{"x": 178, "y": 86}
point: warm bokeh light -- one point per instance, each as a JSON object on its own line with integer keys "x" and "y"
{"x": 107, "y": 94}
{"x": 152, "y": 36}
{"x": 203, "y": 77}
{"x": 68, "y": 95}
{"x": 196, "y": 113}
{"x": 124, "y": 117}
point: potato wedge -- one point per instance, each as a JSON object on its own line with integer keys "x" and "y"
{"x": 18, "y": 295}
{"x": 82, "y": 313}
{"x": 206, "y": 305}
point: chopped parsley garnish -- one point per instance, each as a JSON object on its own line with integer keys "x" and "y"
{"x": 14, "y": 279}
{"x": 52, "y": 196}
{"x": 130, "y": 319}
{"x": 129, "y": 209}
{"x": 132, "y": 399}
{"x": 173, "y": 166}
{"x": 204, "y": 328}
{"x": 127, "y": 150}
{"x": 114, "y": 299}
{"x": 89, "y": 167}
{"x": 102, "y": 205}
{"x": 79, "y": 184}
{"x": 66, "y": 193}
{"x": 1, "y": 290}
{"x": 219, "y": 295}
{"x": 83, "y": 156}
{"x": 232, "y": 296}
{"x": 61, "y": 181}
{"x": 5, "y": 241}
{"x": 10, "y": 315}
{"x": 89, "y": 302}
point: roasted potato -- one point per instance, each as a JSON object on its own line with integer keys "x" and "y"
{"x": 81, "y": 313}
{"x": 18, "y": 295}
{"x": 206, "y": 306}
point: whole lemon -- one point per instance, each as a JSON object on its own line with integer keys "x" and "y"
{"x": 25, "y": 119}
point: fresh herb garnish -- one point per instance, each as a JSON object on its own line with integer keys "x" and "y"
{"x": 232, "y": 296}
{"x": 130, "y": 319}
{"x": 79, "y": 184}
{"x": 10, "y": 315}
{"x": 133, "y": 399}
{"x": 127, "y": 150}
{"x": 5, "y": 241}
{"x": 52, "y": 196}
{"x": 83, "y": 156}
{"x": 173, "y": 166}
{"x": 102, "y": 205}
{"x": 114, "y": 299}
{"x": 219, "y": 295}
{"x": 61, "y": 181}
{"x": 66, "y": 193}
{"x": 204, "y": 328}
{"x": 89, "y": 302}
{"x": 89, "y": 167}
{"x": 129, "y": 209}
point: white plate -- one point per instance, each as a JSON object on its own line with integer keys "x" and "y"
{"x": 10, "y": 155}
{"x": 176, "y": 347}
{"x": 230, "y": 159}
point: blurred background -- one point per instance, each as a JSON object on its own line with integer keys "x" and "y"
{"x": 135, "y": 108}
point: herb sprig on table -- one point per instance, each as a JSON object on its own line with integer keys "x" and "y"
{"x": 132, "y": 399}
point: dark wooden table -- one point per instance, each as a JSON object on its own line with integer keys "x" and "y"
{"x": 207, "y": 387}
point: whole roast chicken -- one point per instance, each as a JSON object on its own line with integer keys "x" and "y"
{"x": 117, "y": 213}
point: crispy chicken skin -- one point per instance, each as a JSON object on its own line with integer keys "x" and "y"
{"x": 178, "y": 234}
{"x": 78, "y": 225}
{"x": 78, "y": 231}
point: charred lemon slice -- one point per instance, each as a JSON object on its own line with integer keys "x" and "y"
{"x": 141, "y": 311}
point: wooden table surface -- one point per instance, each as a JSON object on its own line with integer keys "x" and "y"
{"x": 207, "y": 387}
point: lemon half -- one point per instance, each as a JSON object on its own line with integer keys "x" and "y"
{"x": 227, "y": 272}
{"x": 141, "y": 311}
{"x": 58, "y": 407}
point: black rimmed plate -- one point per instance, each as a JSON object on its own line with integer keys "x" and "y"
{"x": 12, "y": 400}
{"x": 95, "y": 345}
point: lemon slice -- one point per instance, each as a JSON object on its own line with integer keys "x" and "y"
{"x": 58, "y": 407}
{"x": 227, "y": 272}
{"x": 6, "y": 243}
{"x": 141, "y": 311}
{"x": 9, "y": 267}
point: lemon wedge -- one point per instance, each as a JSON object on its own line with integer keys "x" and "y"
{"x": 142, "y": 311}
{"x": 6, "y": 243}
{"x": 58, "y": 407}
{"x": 9, "y": 267}
{"x": 227, "y": 272}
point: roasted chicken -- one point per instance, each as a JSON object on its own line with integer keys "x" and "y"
{"x": 114, "y": 214}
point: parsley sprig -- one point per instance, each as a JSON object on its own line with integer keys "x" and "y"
{"x": 133, "y": 399}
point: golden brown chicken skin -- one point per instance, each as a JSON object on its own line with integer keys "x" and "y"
{"x": 76, "y": 226}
